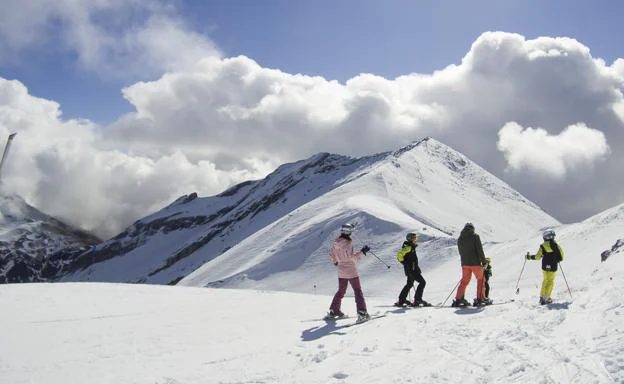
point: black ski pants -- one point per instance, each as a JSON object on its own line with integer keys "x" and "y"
{"x": 413, "y": 276}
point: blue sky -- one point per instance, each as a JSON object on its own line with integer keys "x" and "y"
{"x": 336, "y": 40}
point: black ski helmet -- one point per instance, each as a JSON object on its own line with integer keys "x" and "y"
{"x": 410, "y": 236}
{"x": 469, "y": 226}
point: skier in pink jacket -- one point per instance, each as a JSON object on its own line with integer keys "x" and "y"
{"x": 344, "y": 257}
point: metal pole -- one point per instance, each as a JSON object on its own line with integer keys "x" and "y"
{"x": 453, "y": 290}
{"x": 566, "y": 281}
{"x": 379, "y": 259}
{"x": 518, "y": 283}
{"x": 6, "y": 152}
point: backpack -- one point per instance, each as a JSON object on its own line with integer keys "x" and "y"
{"x": 550, "y": 260}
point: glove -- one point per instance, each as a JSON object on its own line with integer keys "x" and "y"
{"x": 528, "y": 256}
{"x": 365, "y": 249}
{"x": 336, "y": 263}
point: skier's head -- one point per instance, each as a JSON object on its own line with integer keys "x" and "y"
{"x": 411, "y": 237}
{"x": 346, "y": 229}
{"x": 469, "y": 227}
{"x": 548, "y": 234}
{"x": 488, "y": 260}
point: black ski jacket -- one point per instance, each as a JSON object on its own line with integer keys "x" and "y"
{"x": 470, "y": 248}
{"x": 407, "y": 256}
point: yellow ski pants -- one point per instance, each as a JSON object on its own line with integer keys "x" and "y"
{"x": 548, "y": 283}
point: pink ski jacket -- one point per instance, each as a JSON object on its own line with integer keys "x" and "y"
{"x": 342, "y": 252}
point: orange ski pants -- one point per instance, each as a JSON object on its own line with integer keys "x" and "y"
{"x": 467, "y": 272}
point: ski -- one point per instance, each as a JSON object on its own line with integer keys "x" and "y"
{"x": 406, "y": 306}
{"x": 329, "y": 319}
{"x": 478, "y": 306}
{"x": 557, "y": 305}
{"x": 500, "y": 302}
{"x": 358, "y": 322}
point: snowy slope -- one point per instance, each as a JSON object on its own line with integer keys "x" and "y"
{"x": 107, "y": 333}
{"x": 162, "y": 248}
{"x": 35, "y": 246}
{"x": 259, "y": 231}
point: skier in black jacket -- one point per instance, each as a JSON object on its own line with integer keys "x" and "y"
{"x": 407, "y": 256}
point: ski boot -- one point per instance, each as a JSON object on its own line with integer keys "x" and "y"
{"x": 461, "y": 303}
{"x": 362, "y": 316}
{"x": 545, "y": 300}
{"x": 333, "y": 315}
{"x": 481, "y": 302}
{"x": 421, "y": 303}
{"x": 402, "y": 304}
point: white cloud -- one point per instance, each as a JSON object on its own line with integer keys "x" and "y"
{"x": 219, "y": 121}
{"x": 618, "y": 66}
{"x": 554, "y": 155}
{"x": 63, "y": 168}
{"x": 121, "y": 38}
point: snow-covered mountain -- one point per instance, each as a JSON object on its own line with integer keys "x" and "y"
{"x": 257, "y": 232}
{"x": 35, "y": 246}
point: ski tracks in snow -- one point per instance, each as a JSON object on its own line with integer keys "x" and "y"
{"x": 523, "y": 343}
{"x": 516, "y": 343}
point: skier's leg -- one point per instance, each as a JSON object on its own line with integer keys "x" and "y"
{"x": 466, "y": 276}
{"x": 478, "y": 272}
{"x": 360, "y": 304}
{"x": 405, "y": 291}
{"x": 342, "y": 289}
{"x": 548, "y": 284}
{"x": 420, "y": 289}
{"x": 487, "y": 288}
{"x": 544, "y": 283}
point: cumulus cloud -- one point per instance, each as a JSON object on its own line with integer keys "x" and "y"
{"x": 64, "y": 167}
{"x": 122, "y": 38}
{"x": 577, "y": 145}
{"x": 221, "y": 120}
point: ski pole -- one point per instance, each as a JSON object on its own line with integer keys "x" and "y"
{"x": 518, "y": 283}
{"x": 453, "y": 290}
{"x": 379, "y": 259}
{"x": 566, "y": 281}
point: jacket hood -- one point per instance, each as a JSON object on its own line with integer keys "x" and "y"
{"x": 467, "y": 231}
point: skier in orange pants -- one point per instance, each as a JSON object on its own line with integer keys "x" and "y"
{"x": 472, "y": 260}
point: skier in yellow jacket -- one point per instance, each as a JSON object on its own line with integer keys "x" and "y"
{"x": 551, "y": 254}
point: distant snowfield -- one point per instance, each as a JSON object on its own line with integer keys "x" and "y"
{"x": 112, "y": 333}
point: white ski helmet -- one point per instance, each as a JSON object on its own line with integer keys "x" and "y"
{"x": 346, "y": 229}
{"x": 548, "y": 234}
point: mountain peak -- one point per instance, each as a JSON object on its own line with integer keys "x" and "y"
{"x": 288, "y": 216}
{"x": 411, "y": 146}
{"x": 33, "y": 245}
